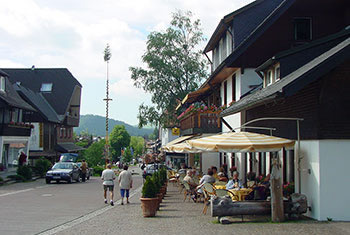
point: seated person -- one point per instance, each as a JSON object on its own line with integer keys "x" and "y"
{"x": 235, "y": 183}
{"x": 183, "y": 169}
{"x": 188, "y": 179}
{"x": 251, "y": 177}
{"x": 215, "y": 172}
{"x": 222, "y": 177}
{"x": 206, "y": 179}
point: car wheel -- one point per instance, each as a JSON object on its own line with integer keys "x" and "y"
{"x": 69, "y": 181}
{"x": 88, "y": 177}
{"x": 48, "y": 181}
{"x": 78, "y": 179}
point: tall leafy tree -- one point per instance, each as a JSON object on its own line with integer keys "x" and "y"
{"x": 174, "y": 67}
{"x": 119, "y": 139}
{"x": 137, "y": 143}
{"x": 94, "y": 154}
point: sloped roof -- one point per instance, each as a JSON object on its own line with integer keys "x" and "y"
{"x": 37, "y": 100}
{"x": 11, "y": 97}
{"x": 244, "y": 21}
{"x": 63, "y": 84}
{"x": 296, "y": 80}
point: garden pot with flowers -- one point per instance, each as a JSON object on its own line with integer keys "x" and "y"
{"x": 149, "y": 199}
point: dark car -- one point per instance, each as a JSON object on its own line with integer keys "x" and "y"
{"x": 65, "y": 171}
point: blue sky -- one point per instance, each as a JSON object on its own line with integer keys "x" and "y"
{"x": 73, "y": 34}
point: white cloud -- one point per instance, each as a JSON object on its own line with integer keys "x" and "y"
{"x": 73, "y": 34}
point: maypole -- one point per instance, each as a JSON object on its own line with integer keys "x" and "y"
{"x": 107, "y": 57}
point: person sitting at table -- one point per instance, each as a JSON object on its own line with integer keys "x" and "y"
{"x": 189, "y": 179}
{"x": 251, "y": 180}
{"x": 235, "y": 183}
{"x": 222, "y": 170}
{"x": 183, "y": 169}
{"x": 215, "y": 172}
{"x": 222, "y": 177}
{"x": 208, "y": 178}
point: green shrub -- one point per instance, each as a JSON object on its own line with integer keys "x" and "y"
{"x": 163, "y": 175}
{"x": 25, "y": 171}
{"x": 156, "y": 181}
{"x": 42, "y": 165}
{"x": 16, "y": 177}
{"x": 1, "y": 179}
{"x": 98, "y": 170}
{"x": 149, "y": 188}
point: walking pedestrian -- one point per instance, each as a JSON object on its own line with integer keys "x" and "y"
{"x": 125, "y": 183}
{"x": 83, "y": 170}
{"x": 108, "y": 177}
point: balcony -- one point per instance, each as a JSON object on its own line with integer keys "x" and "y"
{"x": 200, "y": 122}
{"x": 15, "y": 130}
{"x": 71, "y": 121}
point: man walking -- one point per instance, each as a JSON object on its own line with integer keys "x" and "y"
{"x": 108, "y": 176}
{"x": 125, "y": 183}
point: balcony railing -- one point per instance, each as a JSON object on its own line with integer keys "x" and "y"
{"x": 15, "y": 130}
{"x": 201, "y": 122}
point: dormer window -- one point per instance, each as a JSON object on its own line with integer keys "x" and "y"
{"x": 46, "y": 87}
{"x": 277, "y": 73}
{"x": 2, "y": 84}
{"x": 268, "y": 78}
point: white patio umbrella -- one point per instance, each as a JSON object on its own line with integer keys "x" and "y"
{"x": 182, "y": 148}
{"x": 240, "y": 142}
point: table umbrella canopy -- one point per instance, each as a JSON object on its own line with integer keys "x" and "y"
{"x": 240, "y": 142}
{"x": 182, "y": 148}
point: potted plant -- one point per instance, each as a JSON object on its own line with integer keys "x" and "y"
{"x": 149, "y": 198}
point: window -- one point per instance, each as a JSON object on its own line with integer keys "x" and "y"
{"x": 225, "y": 92}
{"x": 302, "y": 29}
{"x": 234, "y": 87}
{"x": 277, "y": 73}
{"x": 229, "y": 42}
{"x": 46, "y": 87}
{"x": 268, "y": 79}
{"x": 2, "y": 84}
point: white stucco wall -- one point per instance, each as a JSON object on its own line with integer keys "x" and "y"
{"x": 35, "y": 138}
{"x": 167, "y": 136}
{"x": 210, "y": 159}
{"x": 334, "y": 179}
{"x": 310, "y": 182}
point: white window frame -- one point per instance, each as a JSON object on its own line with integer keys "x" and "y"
{"x": 275, "y": 73}
{"x": 269, "y": 75}
{"x": 2, "y": 84}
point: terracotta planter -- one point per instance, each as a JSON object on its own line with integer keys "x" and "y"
{"x": 149, "y": 206}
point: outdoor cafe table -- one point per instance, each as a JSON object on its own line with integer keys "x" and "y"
{"x": 241, "y": 193}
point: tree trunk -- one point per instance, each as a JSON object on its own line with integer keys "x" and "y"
{"x": 277, "y": 209}
{"x": 222, "y": 206}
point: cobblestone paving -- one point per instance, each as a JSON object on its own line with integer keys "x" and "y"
{"x": 178, "y": 217}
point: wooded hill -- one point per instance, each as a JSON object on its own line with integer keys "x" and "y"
{"x": 96, "y": 125}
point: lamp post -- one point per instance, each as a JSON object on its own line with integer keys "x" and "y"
{"x": 107, "y": 57}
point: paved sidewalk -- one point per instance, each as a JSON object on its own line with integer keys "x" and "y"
{"x": 178, "y": 217}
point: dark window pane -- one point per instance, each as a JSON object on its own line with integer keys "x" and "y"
{"x": 302, "y": 29}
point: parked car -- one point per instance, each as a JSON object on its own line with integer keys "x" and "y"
{"x": 88, "y": 173}
{"x": 151, "y": 168}
{"x": 66, "y": 171}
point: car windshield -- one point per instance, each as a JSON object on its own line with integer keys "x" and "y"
{"x": 62, "y": 166}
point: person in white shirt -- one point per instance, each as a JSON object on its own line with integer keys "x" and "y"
{"x": 125, "y": 183}
{"x": 108, "y": 177}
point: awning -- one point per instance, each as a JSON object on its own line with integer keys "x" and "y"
{"x": 176, "y": 141}
{"x": 68, "y": 147}
{"x": 240, "y": 142}
{"x": 192, "y": 96}
{"x": 38, "y": 154}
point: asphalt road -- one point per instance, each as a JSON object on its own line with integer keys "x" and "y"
{"x": 34, "y": 207}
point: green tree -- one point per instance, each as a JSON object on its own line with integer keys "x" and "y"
{"x": 119, "y": 138}
{"x": 94, "y": 154}
{"x": 174, "y": 68}
{"x": 137, "y": 143}
{"x": 127, "y": 155}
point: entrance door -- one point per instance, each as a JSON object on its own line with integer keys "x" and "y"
{"x": 5, "y": 155}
